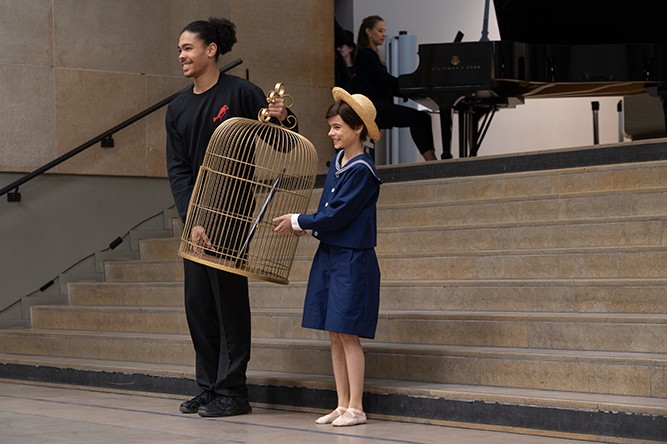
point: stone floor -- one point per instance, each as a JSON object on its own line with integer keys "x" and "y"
{"x": 48, "y": 414}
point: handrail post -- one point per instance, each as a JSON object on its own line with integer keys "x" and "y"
{"x": 14, "y": 196}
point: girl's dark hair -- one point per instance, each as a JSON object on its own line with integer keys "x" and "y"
{"x": 367, "y": 23}
{"x": 220, "y": 31}
{"x": 349, "y": 116}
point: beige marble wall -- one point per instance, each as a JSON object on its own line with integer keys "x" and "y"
{"x": 71, "y": 69}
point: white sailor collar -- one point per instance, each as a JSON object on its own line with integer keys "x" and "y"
{"x": 340, "y": 170}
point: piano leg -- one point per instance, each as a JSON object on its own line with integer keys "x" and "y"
{"x": 470, "y": 133}
{"x": 446, "y": 132}
{"x": 475, "y": 140}
{"x": 661, "y": 92}
{"x": 464, "y": 133}
{"x": 468, "y": 129}
{"x": 663, "y": 99}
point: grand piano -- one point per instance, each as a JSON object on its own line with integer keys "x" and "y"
{"x": 565, "y": 48}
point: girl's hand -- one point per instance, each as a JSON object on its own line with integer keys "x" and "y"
{"x": 284, "y": 224}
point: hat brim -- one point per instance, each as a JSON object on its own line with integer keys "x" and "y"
{"x": 373, "y": 130}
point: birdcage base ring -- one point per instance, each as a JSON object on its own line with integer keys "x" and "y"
{"x": 232, "y": 267}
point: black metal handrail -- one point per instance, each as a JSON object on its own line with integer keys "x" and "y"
{"x": 15, "y": 196}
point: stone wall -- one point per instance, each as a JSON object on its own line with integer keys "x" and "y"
{"x": 71, "y": 69}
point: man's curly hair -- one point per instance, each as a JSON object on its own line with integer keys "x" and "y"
{"x": 218, "y": 30}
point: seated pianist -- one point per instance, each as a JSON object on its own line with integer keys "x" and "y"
{"x": 371, "y": 79}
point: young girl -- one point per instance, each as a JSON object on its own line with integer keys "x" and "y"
{"x": 343, "y": 294}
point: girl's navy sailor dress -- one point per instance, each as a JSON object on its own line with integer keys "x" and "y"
{"x": 343, "y": 292}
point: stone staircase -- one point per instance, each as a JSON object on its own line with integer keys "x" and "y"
{"x": 534, "y": 300}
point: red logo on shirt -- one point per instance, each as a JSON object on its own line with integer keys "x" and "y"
{"x": 221, "y": 113}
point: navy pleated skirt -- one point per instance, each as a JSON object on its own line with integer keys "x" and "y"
{"x": 343, "y": 292}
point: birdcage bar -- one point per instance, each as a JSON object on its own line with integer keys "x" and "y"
{"x": 252, "y": 172}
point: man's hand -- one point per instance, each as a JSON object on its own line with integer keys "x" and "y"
{"x": 278, "y": 109}
{"x": 199, "y": 239}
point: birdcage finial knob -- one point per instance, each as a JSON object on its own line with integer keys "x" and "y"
{"x": 278, "y": 92}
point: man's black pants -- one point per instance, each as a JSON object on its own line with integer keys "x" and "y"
{"x": 217, "y": 307}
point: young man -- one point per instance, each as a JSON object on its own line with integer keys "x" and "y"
{"x": 216, "y": 302}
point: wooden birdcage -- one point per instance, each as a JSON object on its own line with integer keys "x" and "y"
{"x": 252, "y": 172}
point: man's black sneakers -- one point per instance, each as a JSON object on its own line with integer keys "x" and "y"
{"x": 193, "y": 405}
{"x": 225, "y": 406}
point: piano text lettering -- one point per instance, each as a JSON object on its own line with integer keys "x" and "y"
{"x": 456, "y": 68}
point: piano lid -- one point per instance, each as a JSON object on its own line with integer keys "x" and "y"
{"x": 568, "y": 22}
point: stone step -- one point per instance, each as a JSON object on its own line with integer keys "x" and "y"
{"x": 159, "y": 249}
{"x": 575, "y": 206}
{"x": 175, "y": 349}
{"x": 571, "y": 205}
{"x": 593, "y": 263}
{"x": 136, "y": 236}
{"x": 553, "y": 205}
{"x": 580, "y": 263}
{"x": 613, "y": 373}
{"x": 548, "y": 331}
{"x": 566, "y": 331}
{"x": 529, "y": 235}
{"x": 552, "y": 295}
{"x": 126, "y": 293}
{"x": 533, "y": 295}
{"x": 97, "y": 318}
{"x": 169, "y": 270}
{"x": 97, "y": 369}
{"x": 644, "y": 175}
{"x": 638, "y": 374}
{"x": 471, "y": 393}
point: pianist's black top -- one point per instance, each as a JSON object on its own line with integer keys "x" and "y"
{"x": 371, "y": 77}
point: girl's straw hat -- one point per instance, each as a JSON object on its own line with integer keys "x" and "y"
{"x": 363, "y": 107}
